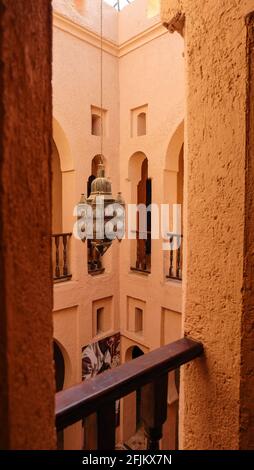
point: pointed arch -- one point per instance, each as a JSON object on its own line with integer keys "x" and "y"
{"x": 174, "y": 148}
{"x": 65, "y": 363}
{"x": 60, "y": 138}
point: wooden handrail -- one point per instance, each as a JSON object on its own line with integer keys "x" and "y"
{"x": 172, "y": 234}
{"x": 95, "y": 394}
{"x": 148, "y": 232}
{"x": 69, "y": 234}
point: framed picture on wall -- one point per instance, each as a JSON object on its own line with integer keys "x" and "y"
{"x": 101, "y": 356}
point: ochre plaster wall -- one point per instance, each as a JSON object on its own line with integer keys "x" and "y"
{"x": 247, "y": 353}
{"x": 26, "y": 353}
{"x": 214, "y": 221}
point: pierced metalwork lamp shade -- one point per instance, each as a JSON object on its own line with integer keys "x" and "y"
{"x": 101, "y": 193}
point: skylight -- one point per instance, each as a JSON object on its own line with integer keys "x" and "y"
{"x": 118, "y": 4}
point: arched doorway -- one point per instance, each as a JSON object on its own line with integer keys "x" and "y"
{"x": 60, "y": 240}
{"x": 174, "y": 197}
{"x": 141, "y": 194}
{"x": 69, "y": 194}
{"x": 59, "y": 367}
{"x": 63, "y": 146}
{"x": 59, "y": 380}
{"x": 57, "y": 210}
{"x": 63, "y": 201}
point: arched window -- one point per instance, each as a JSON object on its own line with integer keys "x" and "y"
{"x": 174, "y": 194}
{"x": 141, "y": 124}
{"x": 141, "y": 195}
{"x": 59, "y": 379}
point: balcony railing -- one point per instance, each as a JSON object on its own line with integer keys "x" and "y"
{"x": 143, "y": 254}
{"x": 60, "y": 252}
{"x": 175, "y": 257}
{"x": 148, "y": 373}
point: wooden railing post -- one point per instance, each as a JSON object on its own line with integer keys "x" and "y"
{"x": 179, "y": 260}
{"x": 57, "y": 270}
{"x": 142, "y": 254}
{"x": 138, "y": 257}
{"x": 60, "y": 256}
{"x": 65, "y": 266}
{"x": 171, "y": 257}
{"x": 154, "y": 410}
{"x": 106, "y": 427}
{"x": 175, "y": 260}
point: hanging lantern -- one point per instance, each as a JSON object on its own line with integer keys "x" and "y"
{"x": 99, "y": 200}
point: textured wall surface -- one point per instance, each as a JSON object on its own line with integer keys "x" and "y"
{"x": 26, "y": 359}
{"x": 247, "y": 363}
{"x": 215, "y": 411}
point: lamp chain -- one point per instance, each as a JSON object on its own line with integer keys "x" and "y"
{"x": 101, "y": 79}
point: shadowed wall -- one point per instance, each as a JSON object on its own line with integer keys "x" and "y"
{"x": 26, "y": 354}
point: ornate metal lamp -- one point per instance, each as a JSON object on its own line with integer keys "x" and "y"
{"x": 99, "y": 200}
